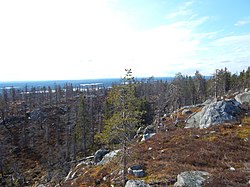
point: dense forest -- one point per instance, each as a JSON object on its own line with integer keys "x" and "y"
{"x": 45, "y": 131}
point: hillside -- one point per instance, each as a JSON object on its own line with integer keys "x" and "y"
{"x": 222, "y": 150}
{"x": 52, "y": 136}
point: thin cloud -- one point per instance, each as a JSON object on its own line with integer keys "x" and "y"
{"x": 234, "y": 40}
{"x": 178, "y": 13}
{"x": 242, "y": 22}
{"x": 225, "y": 61}
{"x": 230, "y": 51}
{"x": 183, "y": 11}
{"x": 196, "y": 22}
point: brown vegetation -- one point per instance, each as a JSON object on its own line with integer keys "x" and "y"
{"x": 221, "y": 150}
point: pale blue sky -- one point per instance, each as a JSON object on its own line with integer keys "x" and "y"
{"x": 59, "y": 39}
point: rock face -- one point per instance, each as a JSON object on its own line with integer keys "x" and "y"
{"x": 136, "y": 183}
{"x": 99, "y": 155}
{"x": 243, "y": 98}
{"x": 208, "y": 102}
{"x": 191, "y": 179}
{"x": 108, "y": 157}
{"x": 215, "y": 113}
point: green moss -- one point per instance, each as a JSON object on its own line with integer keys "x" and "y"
{"x": 246, "y": 120}
{"x": 210, "y": 138}
{"x": 244, "y": 132}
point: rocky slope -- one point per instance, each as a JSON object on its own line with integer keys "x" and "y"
{"x": 217, "y": 154}
{"x": 222, "y": 151}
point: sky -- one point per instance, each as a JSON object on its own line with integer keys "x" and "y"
{"x": 84, "y": 39}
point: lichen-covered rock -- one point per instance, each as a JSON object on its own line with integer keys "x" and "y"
{"x": 99, "y": 155}
{"x": 208, "y": 102}
{"x": 109, "y": 156}
{"x": 137, "y": 171}
{"x": 77, "y": 170}
{"x": 215, "y": 113}
{"x": 243, "y": 98}
{"x": 191, "y": 179}
{"x": 136, "y": 183}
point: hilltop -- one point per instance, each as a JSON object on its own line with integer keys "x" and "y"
{"x": 61, "y": 136}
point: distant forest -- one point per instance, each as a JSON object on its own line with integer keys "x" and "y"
{"x": 57, "y": 127}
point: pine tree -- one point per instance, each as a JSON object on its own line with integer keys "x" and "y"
{"x": 124, "y": 117}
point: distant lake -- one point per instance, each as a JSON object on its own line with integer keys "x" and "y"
{"x": 75, "y": 83}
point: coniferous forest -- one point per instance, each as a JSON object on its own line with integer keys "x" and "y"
{"x": 45, "y": 132}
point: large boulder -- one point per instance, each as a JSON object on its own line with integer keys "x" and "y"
{"x": 243, "y": 98}
{"x": 191, "y": 179}
{"x": 215, "y": 113}
{"x": 100, "y": 154}
{"x": 136, "y": 183}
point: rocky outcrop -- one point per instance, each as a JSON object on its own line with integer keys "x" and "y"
{"x": 215, "y": 113}
{"x": 208, "y": 102}
{"x": 243, "y": 98}
{"x": 136, "y": 183}
{"x": 76, "y": 171}
{"x": 143, "y": 134}
{"x": 191, "y": 179}
{"x": 99, "y": 155}
{"x": 79, "y": 169}
{"x": 108, "y": 157}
